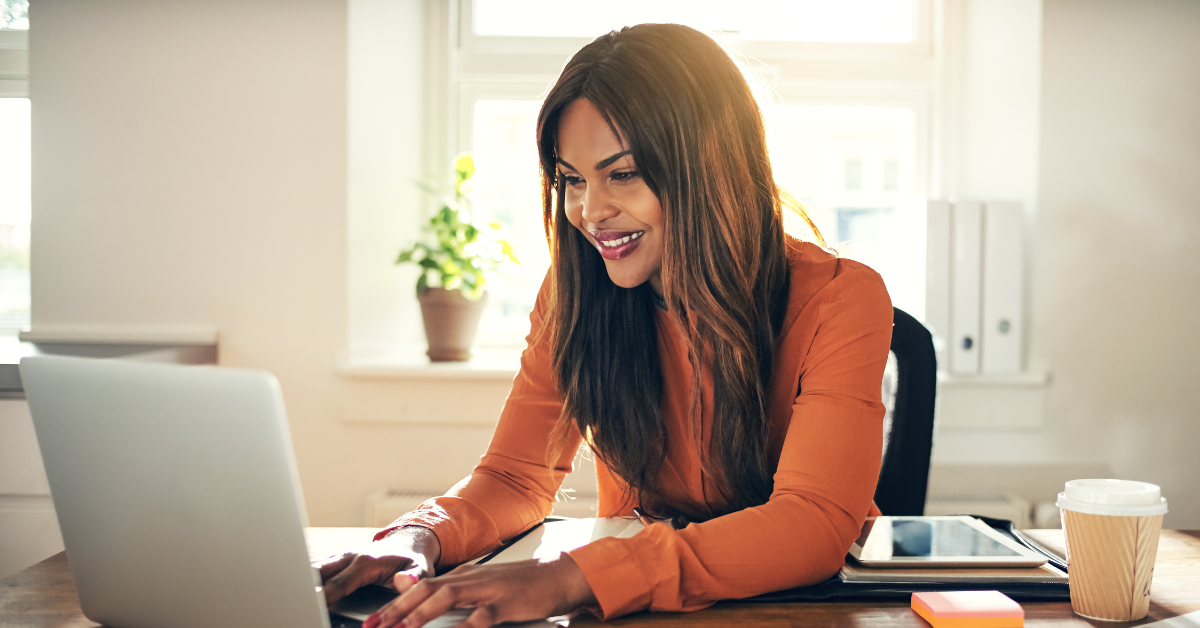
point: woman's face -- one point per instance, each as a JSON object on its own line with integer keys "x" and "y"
{"x": 606, "y": 198}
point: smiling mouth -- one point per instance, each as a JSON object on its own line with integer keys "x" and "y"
{"x": 614, "y": 245}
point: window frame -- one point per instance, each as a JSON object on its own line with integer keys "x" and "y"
{"x": 14, "y": 63}
{"x": 463, "y": 67}
{"x": 470, "y": 43}
{"x": 14, "y": 83}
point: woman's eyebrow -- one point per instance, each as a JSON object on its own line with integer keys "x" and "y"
{"x": 561, "y": 162}
{"x": 608, "y": 161}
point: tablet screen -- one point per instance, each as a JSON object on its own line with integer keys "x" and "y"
{"x": 915, "y": 537}
{"x": 955, "y": 541}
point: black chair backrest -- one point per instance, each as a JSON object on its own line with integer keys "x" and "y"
{"x": 904, "y": 477}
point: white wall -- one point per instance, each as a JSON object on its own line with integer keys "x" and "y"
{"x": 1113, "y": 266}
{"x": 1117, "y": 286}
{"x": 992, "y": 82}
{"x": 189, "y": 168}
{"x": 386, "y": 161}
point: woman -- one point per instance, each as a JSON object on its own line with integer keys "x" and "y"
{"x": 726, "y": 376}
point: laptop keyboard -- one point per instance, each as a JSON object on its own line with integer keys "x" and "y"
{"x": 337, "y": 621}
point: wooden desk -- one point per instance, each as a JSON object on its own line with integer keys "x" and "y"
{"x": 44, "y": 595}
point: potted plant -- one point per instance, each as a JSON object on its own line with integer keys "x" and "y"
{"x": 459, "y": 256}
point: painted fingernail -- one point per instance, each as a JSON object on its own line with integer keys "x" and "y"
{"x": 372, "y": 621}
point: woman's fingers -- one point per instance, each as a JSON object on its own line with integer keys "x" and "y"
{"x": 406, "y": 580}
{"x": 333, "y": 564}
{"x": 509, "y": 592}
{"x": 484, "y": 616}
{"x": 413, "y": 550}
{"x": 422, "y": 603}
{"x": 362, "y": 570}
{"x": 342, "y": 583}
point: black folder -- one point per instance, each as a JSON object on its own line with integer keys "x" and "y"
{"x": 837, "y": 588}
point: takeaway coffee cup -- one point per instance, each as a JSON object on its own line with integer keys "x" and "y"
{"x": 1112, "y": 529}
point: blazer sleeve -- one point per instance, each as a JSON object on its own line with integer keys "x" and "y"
{"x": 823, "y": 486}
{"x": 513, "y": 488}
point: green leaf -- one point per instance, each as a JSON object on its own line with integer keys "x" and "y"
{"x": 460, "y": 248}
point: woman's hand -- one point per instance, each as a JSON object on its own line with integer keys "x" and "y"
{"x": 407, "y": 554}
{"x": 518, "y": 591}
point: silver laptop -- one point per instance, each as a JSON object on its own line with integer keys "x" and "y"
{"x": 177, "y": 493}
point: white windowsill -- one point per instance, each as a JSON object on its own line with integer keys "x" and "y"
{"x": 503, "y": 364}
{"x": 412, "y": 363}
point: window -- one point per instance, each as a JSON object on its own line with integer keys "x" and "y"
{"x": 849, "y": 90}
{"x": 14, "y": 166}
{"x": 508, "y": 184}
{"x": 14, "y": 15}
{"x": 869, "y": 21}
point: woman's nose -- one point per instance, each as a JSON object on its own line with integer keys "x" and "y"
{"x": 598, "y": 206}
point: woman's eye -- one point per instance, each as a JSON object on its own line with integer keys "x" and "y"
{"x": 625, "y": 175}
{"x": 572, "y": 180}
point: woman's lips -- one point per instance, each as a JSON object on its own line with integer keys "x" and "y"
{"x": 616, "y": 245}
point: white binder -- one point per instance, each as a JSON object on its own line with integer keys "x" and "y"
{"x": 937, "y": 276}
{"x": 1001, "y": 328}
{"x": 967, "y": 232}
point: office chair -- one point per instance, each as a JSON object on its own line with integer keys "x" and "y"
{"x": 910, "y": 384}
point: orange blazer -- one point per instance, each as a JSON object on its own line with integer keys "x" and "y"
{"x": 827, "y": 442}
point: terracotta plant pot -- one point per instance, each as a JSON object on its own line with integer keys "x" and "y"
{"x": 451, "y": 321}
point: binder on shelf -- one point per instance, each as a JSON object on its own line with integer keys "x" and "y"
{"x": 937, "y": 275}
{"x": 966, "y": 220}
{"x": 1001, "y": 329}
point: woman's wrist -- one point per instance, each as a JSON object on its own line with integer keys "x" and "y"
{"x": 578, "y": 590}
{"x": 421, "y": 540}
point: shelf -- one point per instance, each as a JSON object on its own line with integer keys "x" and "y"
{"x": 1033, "y": 377}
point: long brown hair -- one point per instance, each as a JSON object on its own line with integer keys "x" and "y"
{"x": 697, "y": 137}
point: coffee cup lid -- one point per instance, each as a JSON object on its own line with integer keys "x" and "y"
{"x": 1113, "y": 497}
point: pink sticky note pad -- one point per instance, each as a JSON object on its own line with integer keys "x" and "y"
{"x": 968, "y": 604}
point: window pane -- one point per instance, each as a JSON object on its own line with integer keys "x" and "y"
{"x": 507, "y": 185}
{"x": 14, "y": 14}
{"x": 14, "y": 212}
{"x": 861, "y": 21}
{"x": 853, "y": 169}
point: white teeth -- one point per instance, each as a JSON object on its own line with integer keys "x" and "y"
{"x": 620, "y": 241}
